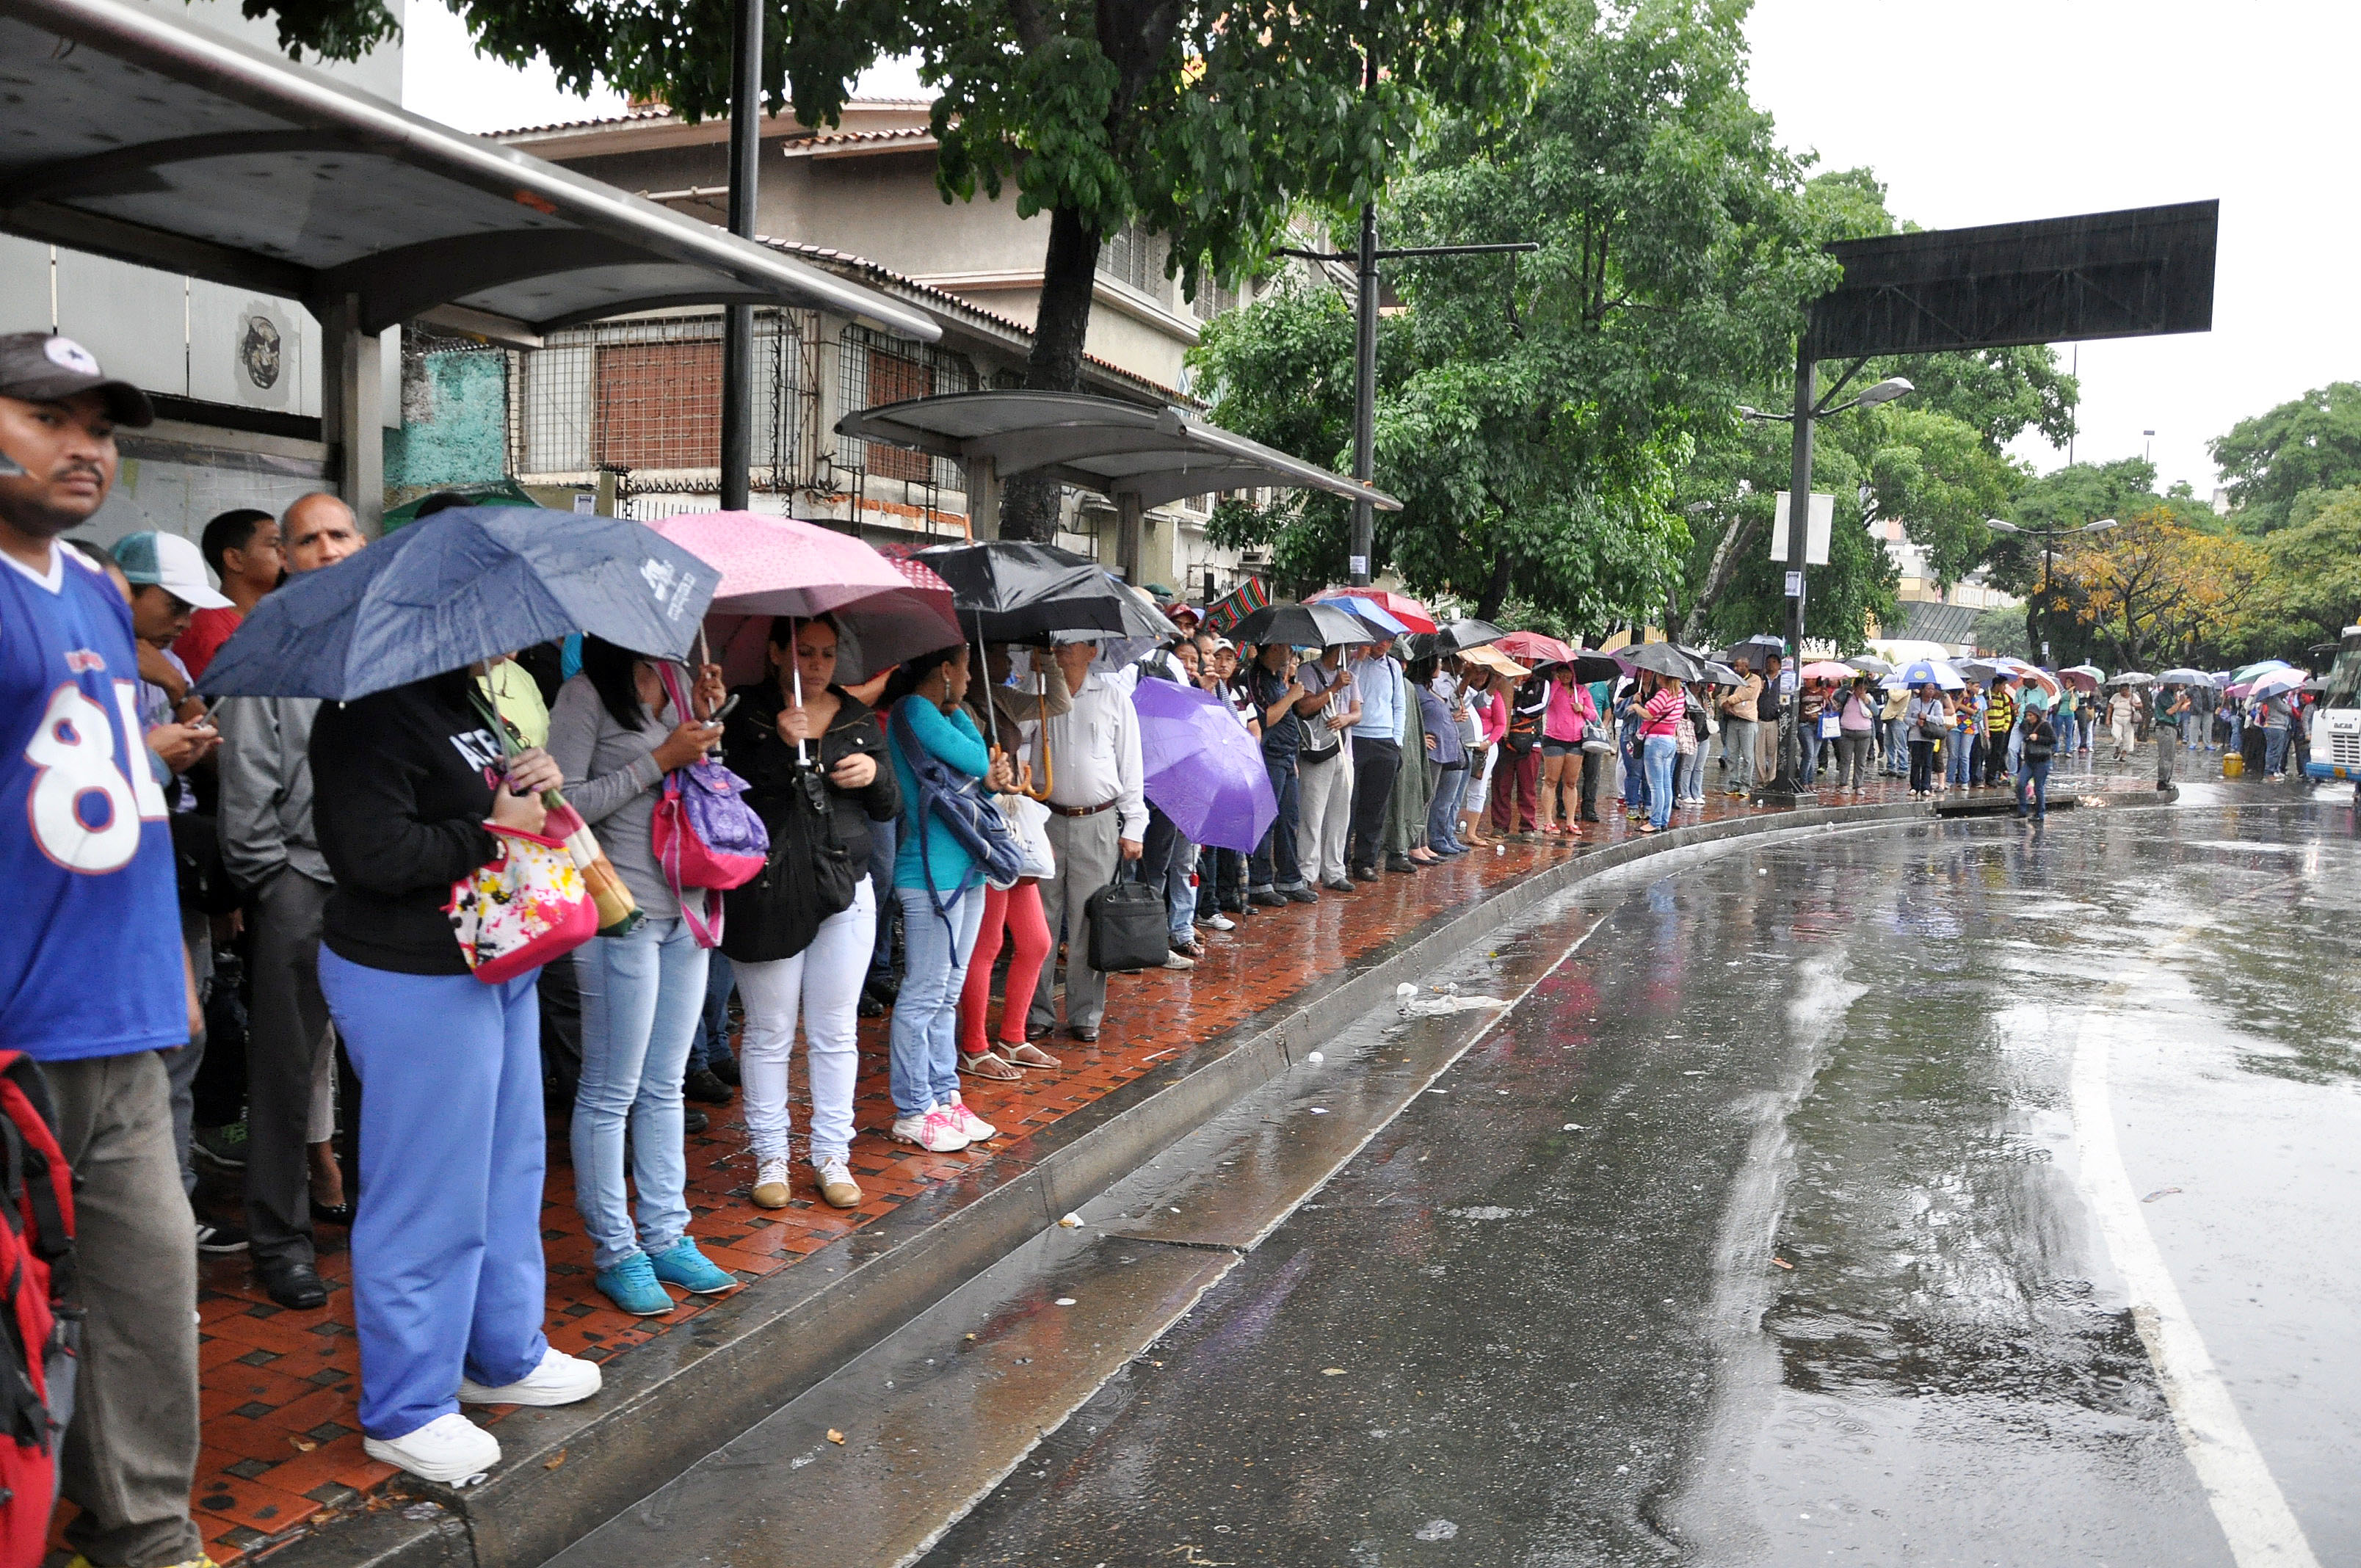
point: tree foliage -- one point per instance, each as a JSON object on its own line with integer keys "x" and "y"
{"x": 2311, "y": 442}
{"x": 2156, "y": 590}
{"x": 1535, "y": 413}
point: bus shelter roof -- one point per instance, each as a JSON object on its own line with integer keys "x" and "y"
{"x": 1117, "y": 448}
{"x": 132, "y": 134}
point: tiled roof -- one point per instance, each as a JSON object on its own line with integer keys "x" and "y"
{"x": 641, "y": 113}
{"x": 846, "y": 138}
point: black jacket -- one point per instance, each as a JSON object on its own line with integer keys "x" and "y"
{"x": 750, "y": 744}
{"x": 401, "y": 782}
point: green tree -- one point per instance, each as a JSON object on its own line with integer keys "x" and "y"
{"x": 2312, "y": 590}
{"x": 2312, "y": 443}
{"x": 1535, "y": 413}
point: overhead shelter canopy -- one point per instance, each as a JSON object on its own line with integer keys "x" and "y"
{"x": 1124, "y": 451}
{"x": 135, "y": 135}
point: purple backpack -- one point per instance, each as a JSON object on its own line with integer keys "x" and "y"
{"x": 704, "y": 834}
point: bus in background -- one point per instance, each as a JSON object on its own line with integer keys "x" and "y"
{"x": 2337, "y": 723}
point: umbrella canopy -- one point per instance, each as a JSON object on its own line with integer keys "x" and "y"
{"x": 1663, "y": 658}
{"x": 1721, "y": 675}
{"x": 1466, "y": 633}
{"x": 2084, "y": 677}
{"x": 1302, "y": 626}
{"x": 1754, "y": 650}
{"x": 1200, "y": 768}
{"x": 467, "y": 584}
{"x": 1828, "y": 670}
{"x": 2247, "y": 674}
{"x": 1932, "y": 672}
{"x": 1491, "y": 658}
{"x": 2270, "y": 683}
{"x": 2130, "y": 678}
{"x": 885, "y": 611}
{"x": 1533, "y": 647}
{"x": 1412, "y": 615}
{"x": 1870, "y": 664}
{"x": 1371, "y": 613}
{"x": 2184, "y": 677}
{"x": 1009, "y": 591}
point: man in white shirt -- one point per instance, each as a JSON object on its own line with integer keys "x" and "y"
{"x": 1376, "y": 754}
{"x": 1097, "y": 815}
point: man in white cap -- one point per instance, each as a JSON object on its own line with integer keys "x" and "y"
{"x": 88, "y": 985}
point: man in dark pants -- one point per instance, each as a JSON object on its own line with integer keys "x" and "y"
{"x": 1376, "y": 755}
{"x": 1273, "y": 876}
{"x": 269, "y": 847}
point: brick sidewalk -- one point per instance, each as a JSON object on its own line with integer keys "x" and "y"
{"x": 282, "y": 1448}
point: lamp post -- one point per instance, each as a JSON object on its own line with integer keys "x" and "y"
{"x": 1787, "y": 789}
{"x": 2049, "y": 538}
{"x": 737, "y": 329}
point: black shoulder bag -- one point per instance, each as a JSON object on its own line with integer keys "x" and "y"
{"x": 807, "y": 877}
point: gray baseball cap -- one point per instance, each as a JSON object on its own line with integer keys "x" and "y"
{"x": 45, "y": 367}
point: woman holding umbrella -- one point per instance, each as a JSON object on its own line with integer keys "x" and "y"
{"x": 1659, "y": 720}
{"x": 800, "y": 935}
{"x": 1926, "y": 721}
{"x": 1568, "y": 714}
{"x": 613, "y": 731}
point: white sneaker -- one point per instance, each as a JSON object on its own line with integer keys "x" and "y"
{"x": 560, "y": 1379}
{"x": 974, "y": 1127}
{"x": 450, "y": 1449}
{"x": 931, "y": 1130}
{"x": 770, "y": 1188}
{"x": 1179, "y": 960}
{"x": 1219, "y": 921}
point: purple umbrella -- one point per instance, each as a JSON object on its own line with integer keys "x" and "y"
{"x": 1200, "y": 767}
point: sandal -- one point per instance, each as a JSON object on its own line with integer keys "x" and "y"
{"x": 1025, "y": 1054}
{"x": 984, "y": 1064}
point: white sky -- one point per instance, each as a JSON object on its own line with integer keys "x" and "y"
{"x": 1976, "y": 112}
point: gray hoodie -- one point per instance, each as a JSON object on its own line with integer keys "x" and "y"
{"x": 266, "y": 789}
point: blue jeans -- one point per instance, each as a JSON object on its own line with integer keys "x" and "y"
{"x": 1898, "y": 745}
{"x": 1659, "y": 754}
{"x": 1689, "y": 783}
{"x": 1635, "y": 773}
{"x": 642, "y": 995}
{"x": 1958, "y": 758}
{"x": 710, "y": 1044}
{"x": 1273, "y": 865}
{"x": 2275, "y": 749}
{"x": 447, "y": 1272}
{"x": 1443, "y": 810}
{"x": 1166, "y": 859}
{"x": 2064, "y": 724}
{"x": 882, "y": 839}
{"x": 2033, "y": 783}
{"x": 924, "y": 1066}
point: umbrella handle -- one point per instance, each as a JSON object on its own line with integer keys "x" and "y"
{"x": 1041, "y": 709}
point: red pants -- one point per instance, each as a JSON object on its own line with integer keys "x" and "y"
{"x": 1519, "y": 777}
{"x": 1018, "y": 912}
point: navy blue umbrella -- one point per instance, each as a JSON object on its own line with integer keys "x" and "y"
{"x": 465, "y": 585}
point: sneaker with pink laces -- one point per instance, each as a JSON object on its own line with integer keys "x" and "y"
{"x": 976, "y": 1128}
{"x": 932, "y": 1129}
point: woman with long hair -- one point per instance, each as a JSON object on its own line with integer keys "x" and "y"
{"x": 1015, "y": 913}
{"x": 614, "y": 732}
{"x": 1661, "y": 717}
{"x": 1569, "y": 712}
{"x": 941, "y": 892}
{"x": 813, "y": 759}
{"x": 446, "y": 1260}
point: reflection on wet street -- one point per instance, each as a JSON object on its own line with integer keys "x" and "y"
{"x": 1762, "y": 1232}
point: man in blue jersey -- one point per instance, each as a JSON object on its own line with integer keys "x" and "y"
{"x": 94, "y": 983}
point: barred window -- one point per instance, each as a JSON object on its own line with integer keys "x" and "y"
{"x": 660, "y": 404}
{"x": 1212, "y": 299}
{"x": 1131, "y": 254}
{"x": 872, "y": 370}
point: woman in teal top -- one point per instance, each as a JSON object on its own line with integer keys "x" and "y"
{"x": 942, "y": 905}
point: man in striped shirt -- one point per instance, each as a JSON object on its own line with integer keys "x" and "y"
{"x": 2000, "y": 718}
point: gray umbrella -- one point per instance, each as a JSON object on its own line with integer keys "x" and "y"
{"x": 1870, "y": 664}
{"x": 1663, "y": 658}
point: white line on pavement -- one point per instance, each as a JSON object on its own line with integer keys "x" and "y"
{"x": 2262, "y": 1530}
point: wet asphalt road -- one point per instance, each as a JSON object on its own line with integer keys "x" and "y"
{"x": 1773, "y": 1228}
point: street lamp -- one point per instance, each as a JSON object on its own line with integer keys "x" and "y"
{"x": 1787, "y": 788}
{"x": 2049, "y": 538}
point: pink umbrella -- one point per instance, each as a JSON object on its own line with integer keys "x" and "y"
{"x": 1829, "y": 670}
{"x": 1535, "y": 648}
{"x": 776, "y": 566}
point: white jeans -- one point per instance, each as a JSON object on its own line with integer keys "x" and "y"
{"x": 825, "y": 981}
{"x": 1324, "y": 815}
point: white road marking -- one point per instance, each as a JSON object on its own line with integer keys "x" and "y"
{"x": 2254, "y": 1514}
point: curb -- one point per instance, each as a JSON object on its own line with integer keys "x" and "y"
{"x": 673, "y": 1401}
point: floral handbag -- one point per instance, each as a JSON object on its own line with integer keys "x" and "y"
{"x": 524, "y": 906}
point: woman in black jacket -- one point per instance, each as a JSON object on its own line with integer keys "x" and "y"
{"x": 799, "y": 935}
{"x": 447, "y": 1274}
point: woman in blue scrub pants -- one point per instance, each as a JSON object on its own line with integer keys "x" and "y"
{"x": 447, "y": 1274}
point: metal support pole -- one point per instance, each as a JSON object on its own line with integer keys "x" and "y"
{"x": 1129, "y": 516}
{"x": 737, "y": 331}
{"x": 1365, "y": 396}
{"x": 352, "y": 412}
{"x": 1787, "y": 787}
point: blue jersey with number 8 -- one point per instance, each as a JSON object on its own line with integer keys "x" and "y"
{"x": 92, "y": 966}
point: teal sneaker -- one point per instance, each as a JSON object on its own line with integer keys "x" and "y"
{"x": 632, "y": 1284}
{"x": 681, "y": 1263}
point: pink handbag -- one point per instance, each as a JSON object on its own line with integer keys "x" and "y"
{"x": 523, "y": 907}
{"x": 704, "y": 834}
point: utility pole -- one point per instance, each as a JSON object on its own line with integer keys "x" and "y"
{"x": 737, "y": 330}
{"x": 1365, "y": 259}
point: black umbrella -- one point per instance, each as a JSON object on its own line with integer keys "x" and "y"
{"x": 1591, "y": 666}
{"x": 1663, "y": 659}
{"x": 1754, "y": 650}
{"x": 1013, "y": 592}
{"x": 1466, "y": 633}
{"x": 1302, "y": 626}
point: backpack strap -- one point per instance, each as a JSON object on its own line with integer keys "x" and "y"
{"x": 46, "y": 1182}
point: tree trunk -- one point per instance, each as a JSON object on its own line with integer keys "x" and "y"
{"x": 1726, "y": 556}
{"x": 1029, "y": 502}
{"x": 1496, "y": 589}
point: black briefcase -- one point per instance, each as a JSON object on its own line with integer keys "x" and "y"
{"x": 1127, "y": 926}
